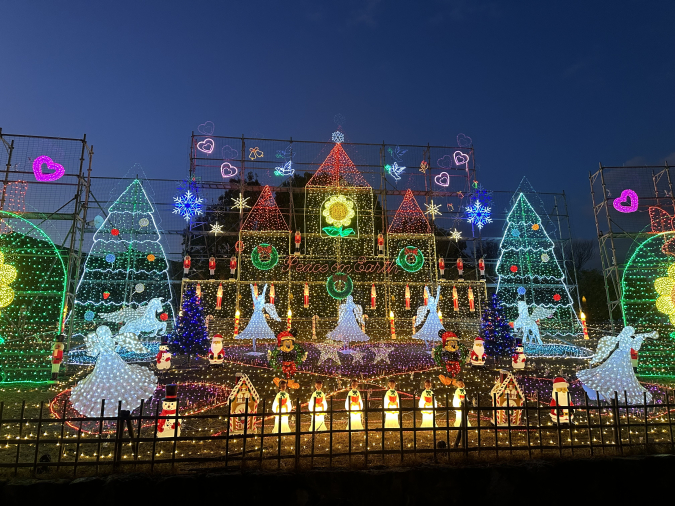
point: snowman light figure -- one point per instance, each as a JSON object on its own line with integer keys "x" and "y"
{"x": 168, "y": 427}
{"x": 163, "y": 358}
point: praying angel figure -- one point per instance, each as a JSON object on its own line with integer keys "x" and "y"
{"x": 350, "y": 315}
{"x": 257, "y": 327}
{"x": 429, "y": 331}
{"x": 527, "y": 323}
{"x": 615, "y": 372}
{"x": 112, "y": 378}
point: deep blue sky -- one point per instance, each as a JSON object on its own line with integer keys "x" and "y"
{"x": 545, "y": 89}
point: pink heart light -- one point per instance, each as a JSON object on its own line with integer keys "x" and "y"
{"x": 461, "y": 158}
{"x": 625, "y": 195}
{"x": 58, "y": 169}
{"x": 443, "y": 179}
{"x": 228, "y": 170}
{"x": 206, "y": 146}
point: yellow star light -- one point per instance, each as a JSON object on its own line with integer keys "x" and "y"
{"x": 339, "y": 211}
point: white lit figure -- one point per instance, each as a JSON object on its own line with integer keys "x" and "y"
{"x": 527, "y": 323}
{"x": 257, "y": 327}
{"x": 457, "y": 400}
{"x": 391, "y": 400}
{"x": 429, "y": 331}
{"x": 615, "y": 371}
{"x": 348, "y": 329}
{"x": 354, "y": 404}
{"x": 112, "y": 378}
{"x": 317, "y": 404}
{"x": 282, "y": 404}
{"x": 427, "y": 400}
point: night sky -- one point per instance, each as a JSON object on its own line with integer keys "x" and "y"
{"x": 545, "y": 89}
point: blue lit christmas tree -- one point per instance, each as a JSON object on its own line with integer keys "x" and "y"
{"x": 495, "y": 330}
{"x": 190, "y": 335}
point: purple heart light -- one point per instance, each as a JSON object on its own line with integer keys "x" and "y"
{"x": 461, "y": 158}
{"x": 626, "y": 195}
{"x": 443, "y": 179}
{"x": 58, "y": 169}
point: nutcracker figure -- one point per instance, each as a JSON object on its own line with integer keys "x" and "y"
{"x": 167, "y": 427}
{"x": 317, "y": 406}
{"x": 460, "y": 267}
{"x": 391, "y": 400}
{"x": 447, "y": 355}
{"x": 481, "y": 267}
{"x": 163, "y": 358}
{"x": 428, "y": 401}
{"x": 212, "y": 266}
{"x": 305, "y": 295}
{"x": 354, "y": 404}
{"x": 441, "y": 265}
{"x": 455, "y": 299}
{"x": 216, "y": 353}
{"x": 233, "y": 266}
{"x": 273, "y": 293}
{"x": 186, "y": 265}
{"x": 380, "y": 244}
{"x": 373, "y": 297}
{"x": 298, "y": 240}
{"x": 282, "y": 404}
{"x": 407, "y": 297}
{"x": 219, "y": 296}
{"x": 57, "y": 357}
{"x": 472, "y": 307}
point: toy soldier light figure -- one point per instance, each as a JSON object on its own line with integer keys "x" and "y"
{"x": 57, "y": 357}
{"x": 167, "y": 427}
{"x": 354, "y": 404}
{"x": 460, "y": 268}
{"x": 186, "y": 265}
{"x": 317, "y": 406}
{"x": 163, "y": 358}
{"x": 212, "y": 266}
{"x": 380, "y": 244}
{"x": 427, "y": 402}
{"x": 233, "y": 266}
{"x": 216, "y": 353}
{"x": 282, "y": 404}
{"x": 298, "y": 240}
{"x": 472, "y": 306}
{"x": 441, "y": 266}
{"x": 392, "y": 401}
{"x": 481, "y": 267}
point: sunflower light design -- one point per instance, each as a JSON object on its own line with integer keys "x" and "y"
{"x": 339, "y": 212}
{"x": 666, "y": 290}
{"x": 7, "y": 276}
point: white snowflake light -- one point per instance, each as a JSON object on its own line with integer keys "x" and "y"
{"x": 433, "y": 210}
{"x": 188, "y": 205}
{"x": 338, "y": 137}
{"x": 479, "y": 215}
{"x": 241, "y": 202}
{"x": 216, "y": 229}
{"x": 456, "y": 235}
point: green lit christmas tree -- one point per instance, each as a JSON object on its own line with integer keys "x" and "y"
{"x": 529, "y": 271}
{"x": 125, "y": 277}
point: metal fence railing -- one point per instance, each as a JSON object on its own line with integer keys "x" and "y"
{"x": 45, "y": 442}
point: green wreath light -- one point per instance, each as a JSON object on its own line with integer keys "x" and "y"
{"x": 266, "y": 251}
{"x": 413, "y": 253}
{"x": 342, "y": 279}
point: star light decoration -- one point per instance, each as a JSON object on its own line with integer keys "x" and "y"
{"x": 456, "y": 235}
{"x": 433, "y": 210}
{"x": 338, "y": 137}
{"x": 328, "y": 352}
{"x": 188, "y": 205}
{"x": 479, "y": 215}
{"x": 381, "y": 354}
{"x": 357, "y": 357}
{"x": 241, "y": 202}
{"x": 216, "y": 229}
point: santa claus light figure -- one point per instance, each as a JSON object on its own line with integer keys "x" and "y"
{"x": 168, "y": 427}
{"x": 518, "y": 358}
{"x": 212, "y": 266}
{"x": 233, "y": 266}
{"x": 216, "y": 353}
{"x": 561, "y": 399}
{"x": 478, "y": 353}
{"x": 163, "y": 358}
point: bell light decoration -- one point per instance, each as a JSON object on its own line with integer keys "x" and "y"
{"x": 212, "y": 266}
{"x": 187, "y": 262}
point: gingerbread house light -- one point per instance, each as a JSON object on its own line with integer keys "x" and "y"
{"x": 507, "y": 392}
{"x": 243, "y": 394}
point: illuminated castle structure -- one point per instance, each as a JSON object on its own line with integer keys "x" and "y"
{"x": 344, "y": 249}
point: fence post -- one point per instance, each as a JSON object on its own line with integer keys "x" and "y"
{"x": 37, "y": 438}
{"x": 646, "y": 426}
{"x": 297, "y": 434}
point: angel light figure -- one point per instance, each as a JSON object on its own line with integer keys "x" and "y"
{"x": 429, "y": 331}
{"x": 112, "y": 378}
{"x": 615, "y": 372}
{"x": 349, "y": 317}
{"x": 257, "y": 327}
{"x": 527, "y": 323}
